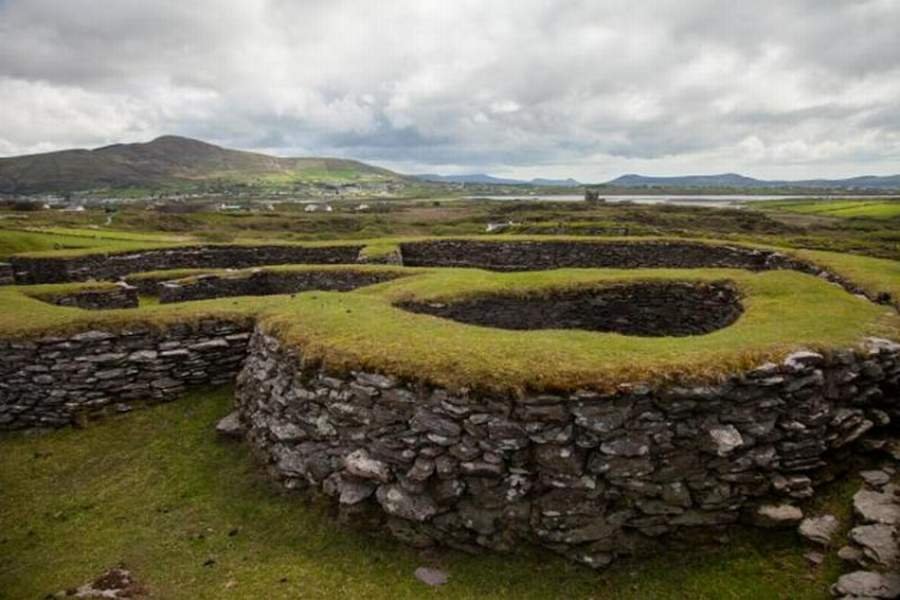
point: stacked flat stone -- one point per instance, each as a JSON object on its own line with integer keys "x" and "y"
{"x": 591, "y": 476}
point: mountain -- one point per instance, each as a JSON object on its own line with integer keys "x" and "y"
{"x": 171, "y": 161}
{"x": 723, "y": 180}
{"x": 540, "y": 181}
{"x": 733, "y": 180}
{"x": 483, "y": 179}
{"x": 478, "y": 178}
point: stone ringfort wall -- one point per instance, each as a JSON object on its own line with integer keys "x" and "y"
{"x": 588, "y": 475}
{"x": 646, "y": 309}
{"x": 264, "y": 283}
{"x": 31, "y": 270}
{"x": 497, "y": 255}
{"x": 121, "y": 295}
{"x": 56, "y": 381}
{"x": 591, "y": 476}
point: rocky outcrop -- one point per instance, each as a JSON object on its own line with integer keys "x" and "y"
{"x": 590, "y": 476}
{"x": 56, "y": 381}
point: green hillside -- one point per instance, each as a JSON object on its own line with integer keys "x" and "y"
{"x": 174, "y": 162}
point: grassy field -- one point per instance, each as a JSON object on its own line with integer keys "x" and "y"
{"x": 844, "y": 209}
{"x": 156, "y": 490}
{"x": 879, "y": 237}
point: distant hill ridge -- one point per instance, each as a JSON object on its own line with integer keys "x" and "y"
{"x": 166, "y": 161}
{"x": 482, "y": 178}
{"x": 890, "y": 182}
{"x": 174, "y": 162}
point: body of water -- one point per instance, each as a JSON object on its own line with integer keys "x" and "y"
{"x": 693, "y": 200}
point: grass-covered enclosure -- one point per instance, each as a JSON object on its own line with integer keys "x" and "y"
{"x": 783, "y": 311}
{"x": 195, "y": 518}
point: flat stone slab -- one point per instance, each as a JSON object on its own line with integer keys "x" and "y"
{"x": 878, "y": 507}
{"x": 819, "y": 529}
{"x": 878, "y": 543}
{"x": 778, "y": 515}
{"x": 867, "y": 584}
{"x": 875, "y": 478}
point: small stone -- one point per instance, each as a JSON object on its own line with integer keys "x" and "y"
{"x": 799, "y": 360}
{"x": 354, "y": 491}
{"x": 780, "y": 515}
{"x": 819, "y": 529}
{"x": 725, "y": 439}
{"x": 875, "y": 478}
{"x": 814, "y": 558}
{"x": 866, "y": 584}
{"x": 230, "y": 426}
{"x": 431, "y": 577}
{"x": 850, "y": 554}
{"x": 359, "y": 464}
{"x": 398, "y": 502}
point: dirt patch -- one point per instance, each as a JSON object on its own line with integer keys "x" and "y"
{"x": 645, "y": 309}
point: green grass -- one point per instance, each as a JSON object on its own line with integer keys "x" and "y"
{"x": 156, "y": 490}
{"x": 846, "y": 209}
{"x": 874, "y": 275}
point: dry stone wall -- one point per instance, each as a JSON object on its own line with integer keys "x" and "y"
{"x": 591, "y": 476}
{"x": 553, "y": 254}
{"x": 55, "y": 381}
{"x": 120, "y": 296}
{"x": 646, "y": 309}
{"x": 30, "y": 270}
{"x": 264, "y": 283}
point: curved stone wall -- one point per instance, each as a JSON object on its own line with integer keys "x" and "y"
{"x": 645, "y": 309}
{"x": 590, "y": 476}
{"x": 121, "y": 295}
{"x": 265, "y": 283}
{"x": 55, "y": 381}
{"x": 529, "y": 255}
{"x": 50, "y": 269}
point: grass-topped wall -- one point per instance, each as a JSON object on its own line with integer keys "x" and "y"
{"x": 592, "y": 440}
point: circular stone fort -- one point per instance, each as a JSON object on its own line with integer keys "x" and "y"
{"x": 596, "y": 397}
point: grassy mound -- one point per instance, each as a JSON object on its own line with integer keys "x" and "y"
{"x": 156, "y": 490}
{"x": 784, "y": 310}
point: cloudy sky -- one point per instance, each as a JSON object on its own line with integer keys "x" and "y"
{"x": 589, "y": 89}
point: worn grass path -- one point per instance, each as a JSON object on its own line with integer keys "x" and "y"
{"x": 157, "y": 490}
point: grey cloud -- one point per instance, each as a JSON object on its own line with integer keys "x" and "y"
{"x": 508, "y": 84}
